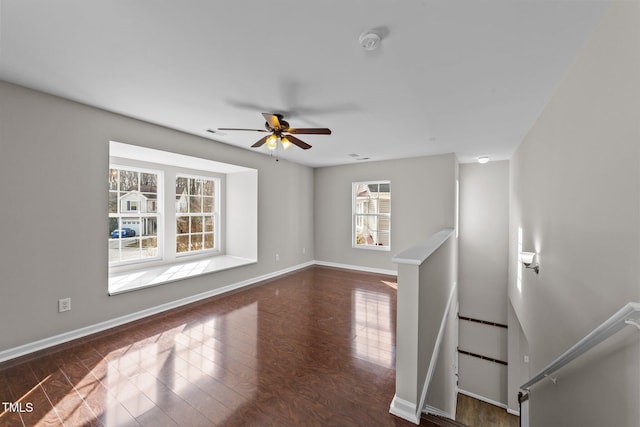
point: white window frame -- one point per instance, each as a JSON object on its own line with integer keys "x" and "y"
{"x": 356, "y": 217}
{"x": 166, "y": 214}
{"x": 215, "y": 214}
{"x": 139, "y": 215}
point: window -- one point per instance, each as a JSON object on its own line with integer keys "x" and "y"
{"x": 133, "y": 215}
{"x": 136, "y": 212}
{"x": 173, "y": 216}
{"x": 372, "y": 215}
{"x": 196, "y": 214}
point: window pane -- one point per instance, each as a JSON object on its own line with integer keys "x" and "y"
{"x": 208, "y": 241}
{"x": 196, "y": 224}
{"x": 150, "y": 201}
{"x": 182, "y": 224}
{"x": 149, "y": 226}
{"x": 130, "y": 249}
{"x": 149, "y": 182}
{"x": 128, "y": 180}
{"x": 182, "y": 185}
{"x": 114, "y": 250}
{"x": 150, "y": 247}
{"x": 113, "y": 179}
{"x": 196, "y": 242}
{"x": 113, "y": 202}
{"x": 195, "y": 186}
{"x": 208, "y": 187}
{"x": 208, "y": 223}
{"x": 384, "y": 205}
{"x": 182, "y": 203}
{"x": 182, "y": 243}
{"x": 207, "y": 204}
{"x": 195, "y": 204}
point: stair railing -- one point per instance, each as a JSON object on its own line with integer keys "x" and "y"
{"x": 626, "y": 316}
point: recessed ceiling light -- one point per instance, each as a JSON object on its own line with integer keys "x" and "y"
{"x": 483, "y": 159}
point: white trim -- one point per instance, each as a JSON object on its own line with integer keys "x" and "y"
{"x": 416, "y": 255}
{"x": 436, "y": 348}
{"x": 24, "y": 349}
{"x": 513, "y": 412}
{"x": 483, "y": 399}
{"x": 404, "y": 409}
{"x": 356, "y": 267}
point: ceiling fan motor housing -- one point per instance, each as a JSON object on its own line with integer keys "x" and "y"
{"x": 284, "y": 125}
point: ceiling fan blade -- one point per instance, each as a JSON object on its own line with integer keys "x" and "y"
{"x": 272, "y": 119}
{"x": 261, "y": 141}
{"x": 298, "y": 142}
{"x": 310, "y": 131}
{"x": 252, "y": 130}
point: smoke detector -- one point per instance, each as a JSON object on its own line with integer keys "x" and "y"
{"x": 369, "y": 40}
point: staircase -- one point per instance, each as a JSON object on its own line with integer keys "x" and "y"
{"x": 441, "y": 421}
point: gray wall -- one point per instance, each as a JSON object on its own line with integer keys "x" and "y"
{"x": 483, "y": 242}
{"x": 422, "y": 203}
{"x": 53, "y": 168}
{"x": 575, "y": 193}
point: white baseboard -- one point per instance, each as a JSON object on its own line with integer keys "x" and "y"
{"x": 512, "y": 412}
{"x": 356, "y": 267}
{"x": 44, "y": 343}
{"x": 404, "y": 409}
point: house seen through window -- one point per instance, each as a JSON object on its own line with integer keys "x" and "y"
{"x": 372, "y": 215}
{"x": 133, "y": 214}
{"x": 137, "y": 212}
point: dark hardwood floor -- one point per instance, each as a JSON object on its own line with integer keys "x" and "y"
{"x": 475, "y": 413}
{"x": 312, "y": 348}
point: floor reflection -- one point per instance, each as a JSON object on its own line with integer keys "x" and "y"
{"x": 315, "y": 347}
{"x": 188, "y": 365}
{"x": 372, "y": 322}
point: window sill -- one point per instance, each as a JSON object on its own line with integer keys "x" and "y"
{"x": 153, "y": 276}
{"x": 372, "y": 247}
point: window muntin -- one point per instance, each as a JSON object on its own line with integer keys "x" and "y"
{"x": 133, "y": 214}
{"x": 372, "y": 215}
{"x": 196, "y": 214}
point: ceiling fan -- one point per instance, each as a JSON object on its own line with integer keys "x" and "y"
{"x": 280, "y": 131}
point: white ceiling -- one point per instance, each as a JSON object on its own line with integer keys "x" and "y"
{"x": 469, "y": 77}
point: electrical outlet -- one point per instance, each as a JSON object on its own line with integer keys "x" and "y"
{"x": 277, "y": 257}
{"x": 526, "y": 359}
{"x": 64, "y": 304}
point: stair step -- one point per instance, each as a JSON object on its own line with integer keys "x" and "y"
{"x": 442, "y": 421}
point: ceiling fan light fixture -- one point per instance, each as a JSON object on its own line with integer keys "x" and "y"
{"x": 369, "y": 40}
{"x": 272, "y": 142}
{"x": 285, "y": 143}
